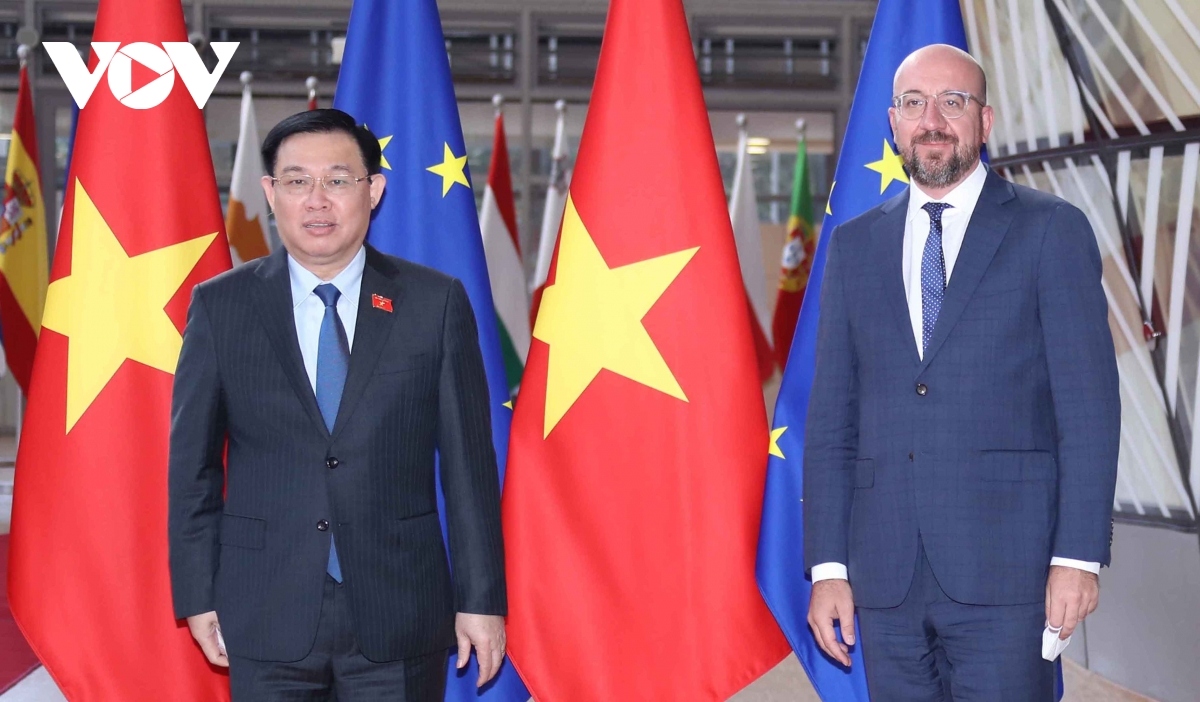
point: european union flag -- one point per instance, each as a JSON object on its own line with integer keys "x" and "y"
{"x": 395, "y": 79}
{"x": 869, "y": 171}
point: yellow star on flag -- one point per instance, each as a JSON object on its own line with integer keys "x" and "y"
{"x": 592, "y": 319}
{"x": 111, "y": 306}
{"x": 451, "y": 169}
{"x": 383, "y": 145}
{"x": 889, "y": 167}
{"x": 508, "y": 404}
{"x": 829, "y": 202}
{"x": 773, "y": 448}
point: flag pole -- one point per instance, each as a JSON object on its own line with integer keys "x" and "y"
{"x": 498, "y": 103}
{"x": 23, "y": 52}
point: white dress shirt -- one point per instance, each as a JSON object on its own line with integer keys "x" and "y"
{"x": 955, "y": 219}
{"x": 309, "y": 310}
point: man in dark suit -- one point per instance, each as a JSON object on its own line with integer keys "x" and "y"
{"x": 961, "y": 445}
{"x": 325, "y": 377}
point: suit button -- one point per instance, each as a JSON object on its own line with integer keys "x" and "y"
{"x": 322, "y": 525}
{"x": 922, "y": 390}
{"x": 332, "y": 463}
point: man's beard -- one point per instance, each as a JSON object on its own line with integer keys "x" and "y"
{"x": 938, "y": 172}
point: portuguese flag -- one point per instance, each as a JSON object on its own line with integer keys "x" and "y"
{"x": 798, "y": 251}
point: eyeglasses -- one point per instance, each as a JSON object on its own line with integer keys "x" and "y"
{"x": 335, "y": 185}
{"x": 952, "y": 104}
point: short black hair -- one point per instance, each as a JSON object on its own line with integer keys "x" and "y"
{"x": 322, "y": 122}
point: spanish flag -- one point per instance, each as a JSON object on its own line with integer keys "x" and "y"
{"x": 88, "y": 578}
{"x": 23, "y": 253}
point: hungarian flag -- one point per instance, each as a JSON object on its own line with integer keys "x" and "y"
{"x": 798, "y": 252}
{"x": 498, "y": 222}
{"x": 246, "y": 217}
{"x": 141, "y": 225}
{"x": 552, "y": 214}
{"x": 743, "y": 212}
{"x": 639, "y": 444}
{"x": 23, "y": 255}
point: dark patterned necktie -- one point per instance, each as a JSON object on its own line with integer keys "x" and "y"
{"x": 933, "y": 273}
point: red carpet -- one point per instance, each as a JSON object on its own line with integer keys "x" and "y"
{"x": 16, "y": 660}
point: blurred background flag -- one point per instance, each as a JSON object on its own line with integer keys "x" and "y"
{"x": 868, "y": 171}
{"x": 797, "y": 259}
{"x": 311, "y": 84}
{"x": 743, "y": 212}
{"x": 556, "y": 201}
{"x": 246, "y": 218}
{"x": 141, "y": 226}
{"x": 24, "y": 266}
{"x": 498, "y": 219}
{"x": 395, "y": 79}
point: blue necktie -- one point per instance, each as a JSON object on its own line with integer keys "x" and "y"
{"x": 333, "y": 361}
{"x": 933, "y": 273}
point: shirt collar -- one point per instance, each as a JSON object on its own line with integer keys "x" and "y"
{"x": 962, "y": 198}
{"x": 304, "y": 280}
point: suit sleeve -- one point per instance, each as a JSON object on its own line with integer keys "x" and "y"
{"x": 1083, "y": 382}
{"x": 470, "y": 480}
{"x": 196, "y": 472}
{"x": 831, "y": 434}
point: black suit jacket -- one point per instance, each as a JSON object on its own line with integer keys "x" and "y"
{"x": 251, "y": 541}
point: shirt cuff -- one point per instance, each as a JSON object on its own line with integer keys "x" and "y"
{"x": 1089, "y": 566}
{"x": 829, "y": 571}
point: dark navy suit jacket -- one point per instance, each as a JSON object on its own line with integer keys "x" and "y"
{"x": 998, "y": 450}
{"x": 252, "y": 541}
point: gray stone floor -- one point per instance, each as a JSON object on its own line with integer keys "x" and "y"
{"x": 786, "y": 683}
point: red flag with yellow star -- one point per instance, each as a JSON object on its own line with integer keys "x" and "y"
{"x": 639, "y": 444}
{"x": 88, "y": 576}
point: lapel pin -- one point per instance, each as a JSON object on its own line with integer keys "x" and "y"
{"x": 380, "y": 302}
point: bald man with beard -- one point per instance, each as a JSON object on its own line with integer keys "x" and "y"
{"x": 961, "y": 444}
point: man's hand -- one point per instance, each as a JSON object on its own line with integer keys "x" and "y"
{"x": 832, "y": 599}
{"x": 486, "y": 633}
{"x": 1071, "y": 595}
{"x": 204, "y": 629}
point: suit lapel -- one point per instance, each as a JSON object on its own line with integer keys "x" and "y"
{"x": 887, "y": 233}
{"x": 371, "y": 331}
{"x": 989, "y": 223}
{"x": 279, "y": 320}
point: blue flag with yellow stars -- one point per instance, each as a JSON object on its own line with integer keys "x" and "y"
{"x": 395, "y": 79}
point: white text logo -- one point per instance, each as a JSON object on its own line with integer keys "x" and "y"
{"x": 165, "y": 61}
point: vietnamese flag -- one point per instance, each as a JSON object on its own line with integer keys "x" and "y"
{"x": 639, "y": 445}
{"x": 88, "y": 574}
